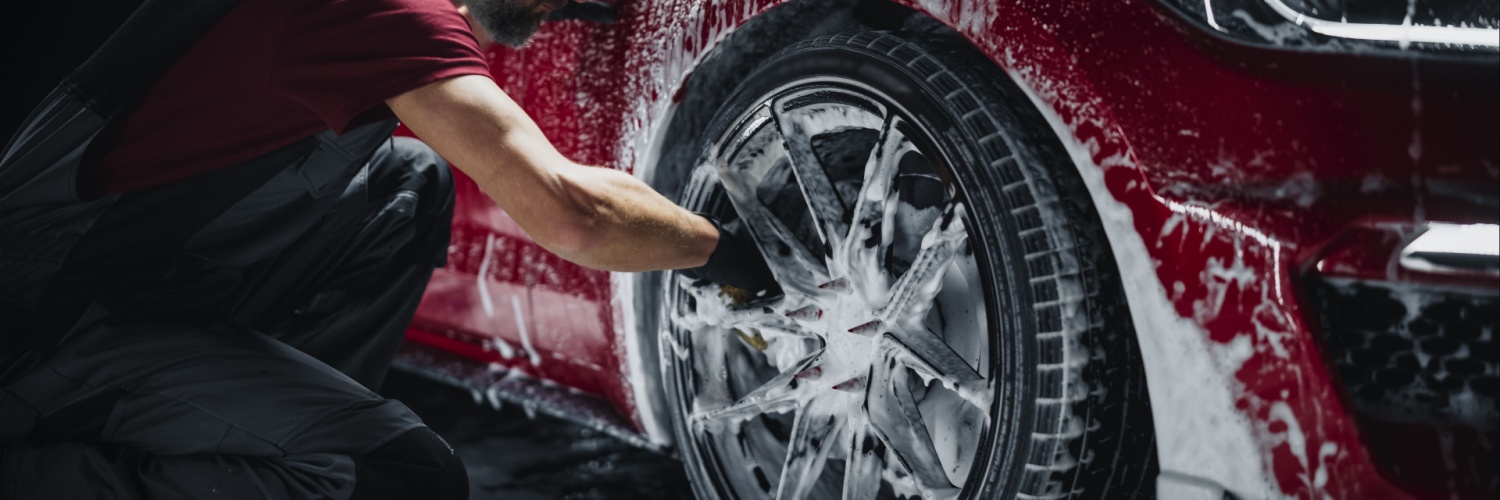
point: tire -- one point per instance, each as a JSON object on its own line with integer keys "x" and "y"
{"x": 951, "y": 326}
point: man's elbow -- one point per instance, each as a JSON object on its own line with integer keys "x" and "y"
{"x": 575, "y": 232}
{"x": 586, "y": 229}
{"x": 576, "y": 241}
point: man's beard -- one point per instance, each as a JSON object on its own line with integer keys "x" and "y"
{"x": 511, "y": 22}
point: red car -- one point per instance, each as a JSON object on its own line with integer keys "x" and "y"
{"x": 1052, "y": 249}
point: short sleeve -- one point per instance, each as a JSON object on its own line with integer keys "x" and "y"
{"x": 343, "y": 59}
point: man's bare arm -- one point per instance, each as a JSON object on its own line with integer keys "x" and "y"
{"x": 597, "y": 217}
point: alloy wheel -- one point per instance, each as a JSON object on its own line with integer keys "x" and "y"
{"x": 868, "y": 375}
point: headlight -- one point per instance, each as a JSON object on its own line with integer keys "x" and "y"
{"x": 1439, "y": 25}
{"x": 1455, "y": 249}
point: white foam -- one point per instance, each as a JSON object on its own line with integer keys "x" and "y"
{"x": 531, "y": 354}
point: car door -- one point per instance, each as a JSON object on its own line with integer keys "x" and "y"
{"x": 502, "y": 299}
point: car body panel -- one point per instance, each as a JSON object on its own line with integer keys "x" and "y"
{"x": 1223, "y": 173}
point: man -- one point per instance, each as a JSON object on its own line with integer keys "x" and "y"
{"x": 210, "y": 245}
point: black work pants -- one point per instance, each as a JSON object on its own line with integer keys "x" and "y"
{"x": 275, "y": 399}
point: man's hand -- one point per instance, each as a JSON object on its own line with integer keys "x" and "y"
{"x": 737, "y": 262}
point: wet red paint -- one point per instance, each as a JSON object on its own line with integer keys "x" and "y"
{"x": 1219, "y": 128}
{"x": 1283, "y": 159}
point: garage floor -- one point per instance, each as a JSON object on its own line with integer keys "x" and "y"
{"x": 514, "y": 457}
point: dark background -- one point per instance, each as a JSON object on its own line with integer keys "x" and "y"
{"x": 513, "y": 456}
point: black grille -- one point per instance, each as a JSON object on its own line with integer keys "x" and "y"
{"x": 1420, "y": 370}
{"x": 1413, "y": 353}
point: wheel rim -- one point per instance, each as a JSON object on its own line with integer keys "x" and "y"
{"x": 868, "y": 375}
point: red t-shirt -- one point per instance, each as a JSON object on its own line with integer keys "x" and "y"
{"x": 274, "y": 72}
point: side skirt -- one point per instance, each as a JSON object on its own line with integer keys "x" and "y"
{"x": 491, "y": 385}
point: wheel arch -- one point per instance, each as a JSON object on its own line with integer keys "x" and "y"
{"x": 675, "y": 138}
{"x": 1206, "y": 445}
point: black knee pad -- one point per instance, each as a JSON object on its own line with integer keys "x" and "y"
{"x": 417, "y": 464}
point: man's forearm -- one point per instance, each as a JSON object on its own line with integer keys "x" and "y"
{"x": 633, "y": 228}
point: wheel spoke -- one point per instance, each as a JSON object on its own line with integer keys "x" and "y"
{"x": 792, "y": 331}
{"x": 914, "y": 292}
{"x": 762, "y": 316}
{"x": 862, "y": 470}
{"x": 709, "y": 350}
{"x": 925, "y": 352}
{"x": 714, "y": 310}
{"x": 817, "y": 189}
{"x": 775, "y": 396}
{"x": 817, "y": 430}
{"x": 792, "y": 264}
{"x": 895, "y": 418}
{"x": 754, "y": 153}
{"x": 872, "y": 228}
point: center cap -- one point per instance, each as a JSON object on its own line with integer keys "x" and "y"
{"x": 850, "y": 338}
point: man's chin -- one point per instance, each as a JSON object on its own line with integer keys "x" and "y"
{"x": 515, "y": 35}
{"x": 515, "y": 43}
{"x": 508, "y": 22}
